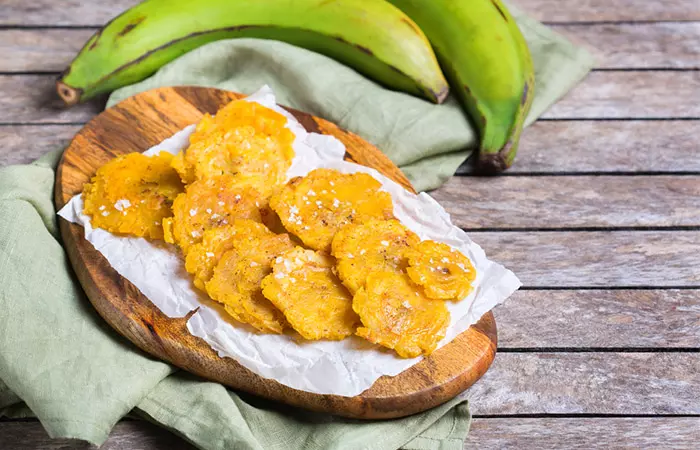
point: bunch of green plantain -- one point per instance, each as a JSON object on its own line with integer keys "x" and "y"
{"x": 405, "y": 45}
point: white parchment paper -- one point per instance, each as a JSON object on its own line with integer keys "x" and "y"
{"x": 345, "y": 367}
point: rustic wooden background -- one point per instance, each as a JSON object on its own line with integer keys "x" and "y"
{"x": 600, "y": 217}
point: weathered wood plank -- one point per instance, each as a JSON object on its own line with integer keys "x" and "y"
{"x": 635, "y": 94}
{"x": 600, "y": 319}
{"x": 607, "y": 146}
{"x": 605, "y": 10}
{"x": 32, "y": 98}
{"x": 67, "y": 12}
{"x": 597, "y": 259}
{"x": 126, "y": 435}
{"x": 645, "y": 94}
{"x": 40, "y": 50}
{"x": 562, "y": 201}
{"x": 584, "y": 433}
{"x": 577, "y": 146}
{"x": 23, "y": 144}
{"x": 76, "y": 12}
{"x": 639, "y": 45}
{"x": 627, "y": 46}
{"x": 520, "y": 433}
{"x": 590, "y": 383}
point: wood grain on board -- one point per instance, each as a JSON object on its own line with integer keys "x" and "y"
{"x": 80, "y": 12}
{"x": 562, "y": 201}
{"x": 598, "y": 258}
{"x": 580, "y": 319}
{"x": 590, "y": 383}
{"x": 626, "y": 46}
{"x": 144, "y": 120}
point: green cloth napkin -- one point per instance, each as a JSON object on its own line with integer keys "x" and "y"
{"x": 61, "y": 362}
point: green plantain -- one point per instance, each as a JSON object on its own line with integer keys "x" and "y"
{"x": 371, "y": 36}
{"x": 488, "y": 64}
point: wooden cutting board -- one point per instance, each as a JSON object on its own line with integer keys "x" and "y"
{"x": 144, "y": 120}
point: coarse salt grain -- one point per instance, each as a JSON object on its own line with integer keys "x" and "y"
{"x": 385, "y": 243}
{"x": 102, "y": 208}
{"x": 105, "y": 213}
{"x": 193, "y": 212}
{"x": 221, "y": 203}
{"x": 253, "y": 264}
{"x": 209, "y": 254}
{"x": 122, "y": 204}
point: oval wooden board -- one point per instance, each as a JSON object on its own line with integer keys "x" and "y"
{"x": 144, "y": 120}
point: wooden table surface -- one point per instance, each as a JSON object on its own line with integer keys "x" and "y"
{"x": 600, "y": 218}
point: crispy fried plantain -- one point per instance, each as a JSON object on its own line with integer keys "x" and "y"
{"x": 398, "y": 316}
{"x": 132, "y": 194}
{"x": 316, "y": 206}
{"x": 373, "y": 246}
{"x": 236, "y": 279}
{"x": 204, "y": 256}
{"x": 208, "y": 204}
{"x": 245, "y": 140}
{"x": 302, "y": 285}
{"x": 443, "y": 272}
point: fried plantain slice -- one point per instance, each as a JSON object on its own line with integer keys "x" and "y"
{"x": 132, "y": 194}
{"x": 443, "y": 272}
{"x": 373, "y": 246}
{"x": 302, "y": 285}
{"x": 205, "y": 255}
{"x": 236, "y": 279}
{"x": 316, "y": 206}
{"x": 208, "y": 204}
{"x": 245, "y": 140}
{"x": 398, "y": 316}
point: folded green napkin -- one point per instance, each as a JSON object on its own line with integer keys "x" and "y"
{"x": 61, "y": 362}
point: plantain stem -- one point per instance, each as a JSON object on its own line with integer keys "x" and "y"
{"x": 70, "y": 95}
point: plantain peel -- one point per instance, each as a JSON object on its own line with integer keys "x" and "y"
{"x": 488, "y": 64}
{"x": 373, "y": 37}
